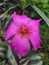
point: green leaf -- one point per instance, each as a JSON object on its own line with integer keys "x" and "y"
{"x": 2, "y": 49}
{"x": 2, "y": 63}
{"x": 46, "y": 19}
{"x": 24, "y": 61}
{"x": 37, "y": 63}
{"x": 35, "y": 1}
{"x": 25, "y": 3}
{"x": 2, "y": 55}
{"x": 1, "y": 4}
{"x": 0, "y": 41}
{"x": 7, "y": 22}
{"x": 11, "y": 57}
{"x": 36, "y": 60}
{"x": 8, "y": 11}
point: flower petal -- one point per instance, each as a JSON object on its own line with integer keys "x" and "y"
{"x": 35, "y": 35}
{"x": 12, "y": 30}
{"x": 34, "y": 25}
{"x": 35, "y": 40}
{"x": 20, "y": 19}
{"x": 20, "y": 45}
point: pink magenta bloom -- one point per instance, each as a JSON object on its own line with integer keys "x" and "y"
{"x": 23, "y": 30}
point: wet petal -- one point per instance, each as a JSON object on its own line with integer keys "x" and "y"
{"x": 20, "y": 45}
{"x": 12, "y": 30}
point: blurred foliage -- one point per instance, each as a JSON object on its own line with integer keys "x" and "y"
{"x": 7, "y": 7}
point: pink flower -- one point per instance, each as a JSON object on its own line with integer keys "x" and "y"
{"x": 24, "y": 30}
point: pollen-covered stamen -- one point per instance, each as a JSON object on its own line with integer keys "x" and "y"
{"x": 24, "y": 31}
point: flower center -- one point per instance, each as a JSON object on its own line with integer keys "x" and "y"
{"x": 24, "y": 31}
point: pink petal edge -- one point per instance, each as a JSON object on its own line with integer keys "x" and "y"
{"x": 12, "y": 30}
{"x": 35, "y": 35}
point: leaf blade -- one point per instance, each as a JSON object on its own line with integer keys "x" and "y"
{"x": 11, "y": 57}
{"x": 46, "y": 19}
